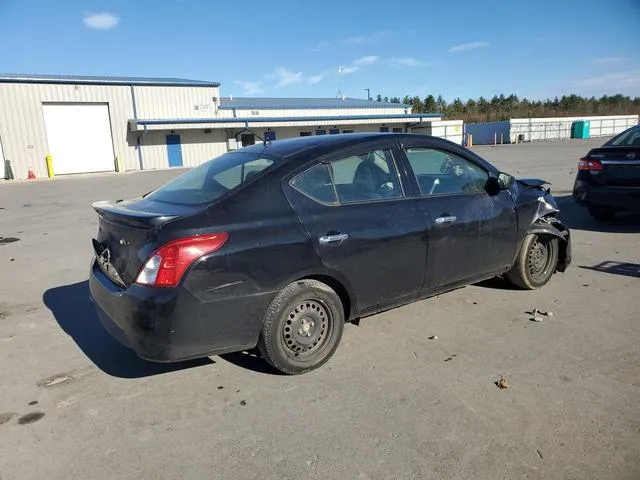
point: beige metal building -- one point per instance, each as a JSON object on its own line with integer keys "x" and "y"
{"x": 100, "y": 124}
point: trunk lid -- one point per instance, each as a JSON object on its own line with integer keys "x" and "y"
{"x": 127, "y": 233}
{"x": 620, "y": 166}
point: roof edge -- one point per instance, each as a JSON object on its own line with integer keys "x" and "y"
{"x": 178, "y": 121}
{"x": 32, "y": 79}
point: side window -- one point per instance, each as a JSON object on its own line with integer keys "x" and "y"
{"x": 438, "y": 172}
{"x": 359, "y": 178}
{"x": 316, "y": 184}
{"x": 371, "y": 176}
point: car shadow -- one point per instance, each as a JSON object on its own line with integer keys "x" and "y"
{"x": 251, "y": 360}
{"x": 497, "y": 283}
{"x": 577, "y": 217}
{"x": 616, "y": 268}
{"x": 74, "y": 313}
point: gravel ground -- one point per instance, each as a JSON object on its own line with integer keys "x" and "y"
{"x": 391, "y": 404}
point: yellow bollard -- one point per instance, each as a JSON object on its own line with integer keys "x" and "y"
{"x": 118, "y": 165}
{"x": 470, "y": 140}
{"x": 49, "y": 160}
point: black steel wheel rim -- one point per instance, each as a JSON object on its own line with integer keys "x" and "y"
{"x": 539, "y": 260}
{"x": 307, "y": 328}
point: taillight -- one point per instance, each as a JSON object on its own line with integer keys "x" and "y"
{"x": 166, "y": 266}
{"x": 590, "y": 165}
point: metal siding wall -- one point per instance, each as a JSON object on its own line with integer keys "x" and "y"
{"x": 22, "y": 125}
{"x": 320, "y": 112}
{"x": 483, "y": 133}
{"x": 175, "y": 102}
{"x": 197, "y": 147}
{"x": 557, "y": 128}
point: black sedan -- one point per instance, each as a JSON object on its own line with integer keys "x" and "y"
{"x": 608, "y": 179}
{"x": 279, "y": 244}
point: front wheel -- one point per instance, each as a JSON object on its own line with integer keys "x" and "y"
{"x": 302, "y": 327}
{"x": 536, "y": 262}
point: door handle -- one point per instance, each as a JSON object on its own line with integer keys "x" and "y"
{"x": 333, "y": 238}
{"x": 445, "y": 220}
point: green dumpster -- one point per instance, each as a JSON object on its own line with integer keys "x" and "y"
{"x": 580, "y": 129}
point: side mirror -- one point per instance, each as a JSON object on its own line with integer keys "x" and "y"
{"x": 505, "y": 181}
{"x": 502, "y": 182}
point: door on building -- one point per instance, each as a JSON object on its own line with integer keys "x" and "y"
{"x": 79, "y": 137}
{"x": 247, "y": 139}
{"x": 174, "y": 150}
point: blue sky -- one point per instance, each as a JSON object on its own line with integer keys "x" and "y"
{"x": 456, "y": 48}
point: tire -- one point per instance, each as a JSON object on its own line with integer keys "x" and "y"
{"x": 302, "y": 327}
{"x": 602, "y": 214}
{"x": 536, "y": 262}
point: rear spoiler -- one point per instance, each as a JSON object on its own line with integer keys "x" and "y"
{"x": 117, "y": 212}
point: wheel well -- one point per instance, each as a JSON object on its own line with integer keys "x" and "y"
{"x": 337, "y": 287}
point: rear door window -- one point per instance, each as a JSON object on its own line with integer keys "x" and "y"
{"x": 358, "y": 178}
{"x": 211, "y": 180}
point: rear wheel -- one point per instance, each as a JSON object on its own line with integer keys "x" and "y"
{"x": 601, "y": 213}
{"x": 302, "y": 327}
{"x": 536, "y": 262}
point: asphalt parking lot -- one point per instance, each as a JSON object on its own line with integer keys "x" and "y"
{"x": 391, "y": 404}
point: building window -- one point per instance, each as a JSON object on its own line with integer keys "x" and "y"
{"x": 321, "y": 131}
{"x": 347, "y": 131}
{"x": 334, "y": 131}
{"x": 398, "y": 130}
{"x": 247, "y": 139}
{"x": 305, "y": 134}
{"x": 384, "y": 129}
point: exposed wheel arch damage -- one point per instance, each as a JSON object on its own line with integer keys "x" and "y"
{"x": 550, "y": 225}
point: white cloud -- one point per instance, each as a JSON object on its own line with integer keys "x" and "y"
{"x": 611, "y": 81}
{"x": 315, "y": 78}
{"x": 101, "y": 21}
{"x": 280, "y": 77}
{"x": 349, "y": 69}
{"x": 374, "y": 37}
{"x": 468, "y": 46}
{"x": 251, "y": 88}
{"x": 407, "y": 62}
{"x": 284, "y": 77}
{"x": 605, "y": 60}
{"x": 321, "y": 45}
{"x": 366, "y": 61}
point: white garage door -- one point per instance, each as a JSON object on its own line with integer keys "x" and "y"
{"x": 79, "y": 138}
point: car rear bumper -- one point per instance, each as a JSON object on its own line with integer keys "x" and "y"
{"x": 170, "y": 325}
{"x": 619, "y": 198}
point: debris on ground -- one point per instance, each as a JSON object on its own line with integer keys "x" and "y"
{"x": 536, "y": 315}
{"x": 502, "y": 383}
{"x": 433, "y": 337}
{"x": 450, "y": 357}
{"x": 539, "y": 454}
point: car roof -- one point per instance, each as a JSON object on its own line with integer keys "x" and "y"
{"x": 294, "y": 146}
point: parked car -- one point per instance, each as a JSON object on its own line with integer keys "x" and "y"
{"x": 608, "y": 179}
{"x": 279, "y": 244}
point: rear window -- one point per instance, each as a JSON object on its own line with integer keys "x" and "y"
{"x": 211, "y": 180}
{"x": 630, "y": 138}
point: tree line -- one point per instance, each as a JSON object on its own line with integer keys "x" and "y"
{"x": 502, "y": 107}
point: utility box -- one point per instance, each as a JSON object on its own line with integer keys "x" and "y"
{"x": 580, "y": 129}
